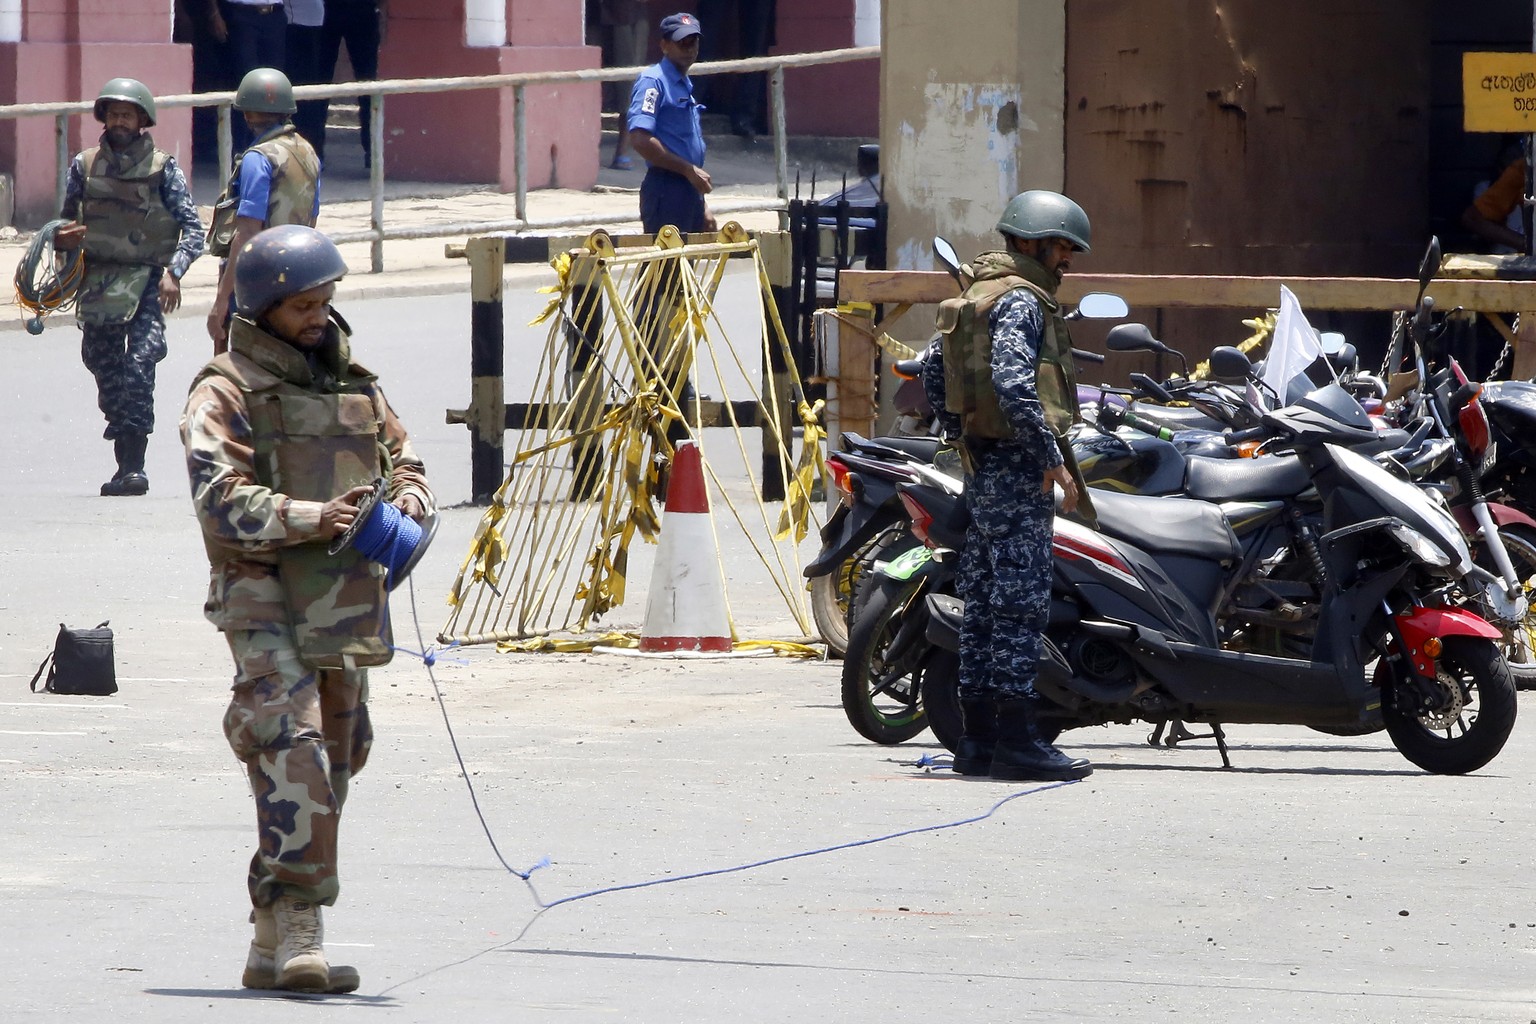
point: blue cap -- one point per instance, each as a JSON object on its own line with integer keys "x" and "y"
{"x": 680, "y": 26}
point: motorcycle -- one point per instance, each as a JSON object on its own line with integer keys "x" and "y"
{"x": 867, "y": 524}
{"x": 890, "y": 661}
{"x": 1134, "y": 633}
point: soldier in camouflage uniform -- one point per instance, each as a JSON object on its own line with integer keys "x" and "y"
{"x": 141, "y": 232}
{"x": 1007, "y": 375}
{"x": 283, "y": 434}
{"x": 276, "y": 181}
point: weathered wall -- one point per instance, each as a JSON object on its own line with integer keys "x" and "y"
{"x": 1247, "y": 137}
{"x": 69, "y": 49}
{"x": 827, "y": 25}
{"x": 468, "y": 136}
{"x": 971, "y": 113}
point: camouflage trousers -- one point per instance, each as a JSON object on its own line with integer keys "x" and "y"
{"x": 302, "y": 734}
{"x": 1005, "y": 575}
{"x": 122, "y": 358}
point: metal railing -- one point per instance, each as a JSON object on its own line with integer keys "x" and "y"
{"x": 377, "y": 232}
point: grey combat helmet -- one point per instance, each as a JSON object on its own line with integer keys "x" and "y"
{"x": 125, "y": 90}
{"x": 265, "y": 91}
{"x": 284, "y": 261}
{"x": 1041, "y": 214}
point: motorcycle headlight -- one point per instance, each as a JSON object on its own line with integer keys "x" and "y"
{"x": 1419, "y": 546}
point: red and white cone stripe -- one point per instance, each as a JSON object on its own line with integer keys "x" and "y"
{"x": 686, "y": 610}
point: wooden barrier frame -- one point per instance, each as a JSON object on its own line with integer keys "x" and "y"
{"x": 489, "y": 416}
{"x": 1473, "y": 283}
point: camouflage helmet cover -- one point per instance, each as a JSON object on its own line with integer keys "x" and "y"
{"x": 265, "y": 91}
{"x": 1041, "y": 214}
{"x": 125, "y": 90}
{"x": 284, "y": 261}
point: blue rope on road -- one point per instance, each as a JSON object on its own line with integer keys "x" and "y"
{"x": 544, "y": 862}
{"x": 789, "y": 856}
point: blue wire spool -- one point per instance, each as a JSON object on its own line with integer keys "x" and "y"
{"x": 382, "y": 533}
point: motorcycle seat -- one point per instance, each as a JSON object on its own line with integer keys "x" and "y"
{"x": 1267, "y": 477}
{"x": 1166, "y": 525}
{"x": 921, "y": 448}
{"x": 1176, "y": 417}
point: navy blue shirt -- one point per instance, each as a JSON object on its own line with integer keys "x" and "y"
{"x": 662, "y": 104}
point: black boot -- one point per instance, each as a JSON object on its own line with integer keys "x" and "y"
{"x": 130, "y": 479}
{"x": 1023, "y": 755}
{"x": 978, "y": 722}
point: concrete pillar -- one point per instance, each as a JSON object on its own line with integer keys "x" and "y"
{"x": 66, "y": 50}
{"x": 971, "y": 112}
{"x": 468, "y": 136}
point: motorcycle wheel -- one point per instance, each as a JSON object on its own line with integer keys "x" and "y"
{"x": 1519, "y": 642}
{"x": 883, "y": 701}
{"x": 835, "y": 595}
{"x": 941, "y": 698}
{"x": 1472, "y": 731}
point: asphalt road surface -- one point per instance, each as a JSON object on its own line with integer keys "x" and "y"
{"x": 1321, "y": 879}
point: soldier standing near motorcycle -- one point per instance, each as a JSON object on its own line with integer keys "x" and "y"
{"x": 1007, "y": 374}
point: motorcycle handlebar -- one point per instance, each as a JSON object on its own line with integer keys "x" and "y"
{"x": 1087, "y": 357}
{"x": 1151, "y": 387}
{"x": 1235, "y": 437}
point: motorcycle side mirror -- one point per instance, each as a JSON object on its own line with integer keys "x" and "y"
{"x": 1132, "y": 338}
{"x": 1332, "y": 342}
{"x": 947, "y": 256}
{"x": 1103, "y": 306}
{"x": 1229, "y": 365}
{"x": 1429, "y": 264}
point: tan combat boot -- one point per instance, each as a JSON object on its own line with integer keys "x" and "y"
{"x": 299, "y": 958}
{"x": 261, "y": 961}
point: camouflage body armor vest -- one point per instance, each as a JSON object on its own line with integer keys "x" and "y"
{"x": 291, "y": 200}
{"x": 122, "y": 207}
{"x": 131, "y": 233}
{"x": 964, "y": 321}
{"x": 313, "y": 441}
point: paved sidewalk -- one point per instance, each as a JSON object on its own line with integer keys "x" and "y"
{"x": 419, "y": 266}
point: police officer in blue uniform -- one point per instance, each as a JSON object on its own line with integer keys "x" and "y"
{"x": 665, "y": 132}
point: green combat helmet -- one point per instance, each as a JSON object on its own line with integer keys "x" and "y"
{"x": 1041, "y": 214}
{"x": 265, "y": 91}
{"x": 125, "y": 90}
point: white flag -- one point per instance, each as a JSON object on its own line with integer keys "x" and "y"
{"x": 1293, "y": 348}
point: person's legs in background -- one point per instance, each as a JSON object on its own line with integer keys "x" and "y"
{"x": 303, "y": 55}
{"x": 355, "y": 22}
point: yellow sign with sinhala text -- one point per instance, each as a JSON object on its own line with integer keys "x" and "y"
{"x": 1498, "y": 92}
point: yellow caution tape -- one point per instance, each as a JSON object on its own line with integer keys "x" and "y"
{"x": 1262, "y": 327}
{"x": 562, "y": 265}
{"x": 796, "y": 513}
{"x": 487, "y": 553}
{"x": 631, "y": 641}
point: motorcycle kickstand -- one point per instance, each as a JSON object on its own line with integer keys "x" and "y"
{"x": 1177, "y": 734}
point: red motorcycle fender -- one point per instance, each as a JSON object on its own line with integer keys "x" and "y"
{"x": 1424, "y": 624}
{"x": 1503, "y": 515}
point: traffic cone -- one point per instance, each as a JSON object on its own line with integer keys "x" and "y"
{"x": 686, "y": 609}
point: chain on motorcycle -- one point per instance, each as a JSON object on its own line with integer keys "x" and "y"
{"x": 1506, "y": 352}
{"x": 1393, "y": 355}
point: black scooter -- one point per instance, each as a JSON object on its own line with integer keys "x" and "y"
{"x": 1134, "y": 633}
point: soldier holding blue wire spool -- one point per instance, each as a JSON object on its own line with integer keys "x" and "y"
{"x": 312, "y": 505}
